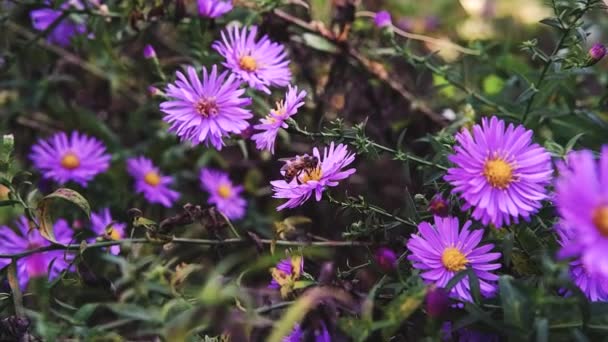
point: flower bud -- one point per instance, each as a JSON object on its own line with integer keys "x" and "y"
{"x": 382, "y": 19}
{"x": 597, "y": 51}
{"x": 149, "y": 52}
{"x": 386, "y": 259}
{"x": 437, "y": 301}
{"x": 153, "y": 91}
{"x": 439, "y": 206}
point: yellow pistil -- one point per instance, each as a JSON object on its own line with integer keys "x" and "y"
{"x": 600, "y": 219}
{"x": 498, "y": 172}
{"x": 224, "y": 191}
{"x": 248, "y": 63}
{"x": 308, "y": 175}
{"x": 113, "y": 234}
{"x": 70, "y": 161}
{"x": 454, "y": 260}
{"x": 206, "y": 107}
{"x": 152, "y": 178}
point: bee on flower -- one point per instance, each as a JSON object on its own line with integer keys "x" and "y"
{"x": 285, "y": 274}
{"x": 308, "y": 175}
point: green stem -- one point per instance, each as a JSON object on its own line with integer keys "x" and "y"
{"x": 209, "y": 242}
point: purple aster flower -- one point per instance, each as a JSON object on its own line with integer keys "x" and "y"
{"x": 270, "y": 125}
{"x": 214, "y": 8}
{"x": 382, "y": 19}
{"x": 500, "y": 173}
{"x": 149, "y": 51}
{"x": 582, "y": 202}
{"x": 296, "y": 335}
{"x": 206, "y": 111}
{"x": 261, "y": 63}
{"x": 595, "y": 287}
{"x": 65, "y": 30}
{"x": 323, "y": 171}
{"x": 597, "y": 51}
{"x": 104, "y": 225}
{"x": 442, "y": 251}
{"x": 437, "y": 301}
{"x": 26, "y": 238}
{"x": 150, "y": 182}
{"x": 223, "y": 194}
{"x": 77, "y": 158}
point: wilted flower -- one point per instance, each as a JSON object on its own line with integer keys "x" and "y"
{"x": 328, "y": 171}
{"x": 437, "y": 301}
{"x": 582, "y": 202}
{"x": 77, "y": 158}
{"x": 597, "y": 52}
{"x": 271, "y": 124}
{"x": 382, "y": 19}
{"x": 261, "y": 63}
{"x": 386, "y": 259}
{"x": 498, "y": 172}
{"x": 444, "y": 250}
{"x": 149, "y": 51}
{"x": 594, "y": 286}
{"x": 286, "y": 273}
{"x": 439, "y": 206}
{"x": 150, "y": 182}
{"x": 214, "y": 8}
{"x": 206, "y": 111}
{"x": 28, "y": 238}
{"x": 223, "y": 194}
{"x": 104, "y": 225}
{"x": 63, "y": 32}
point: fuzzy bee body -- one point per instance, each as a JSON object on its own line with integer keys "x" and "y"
{"x": 294, "y": 167}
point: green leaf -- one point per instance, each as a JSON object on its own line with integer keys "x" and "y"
{"x": 493, "y": 84}
{"x": 319, "y": 43}
{"x": 45, "y": 218}
{"x": 516, "y": 306}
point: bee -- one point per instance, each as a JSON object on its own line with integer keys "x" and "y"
{"x": 295, "y": 166}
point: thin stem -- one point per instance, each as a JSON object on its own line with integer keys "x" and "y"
{"x": 209, "y": 242}
{"x": 396, "y": 153}
{"x": 543, "y": 73}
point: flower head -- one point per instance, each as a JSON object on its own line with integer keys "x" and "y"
{"x": 597, "y": 52}
{"x": 594, "y": 286}
{"x": 437, "y": 301}
{"x": 150, "y": 182}
{"x": 206, "y": 111}
{"x": 498, "y": 172}
{"x": 26, "y": 238}
{"x": 223, "y": 194}
{"x": 104, "y": 225}
{"x": 260, "y": 63}
{"x": 149, "y": 52}
{"x": 214, "y": 8}
{"x": 296, "y": 335}
{"x": 444, "y": 250}
{"x": 326, "y": 171}
{"x": 581, "y": 195}
{"x": 286, "y": 273}
{"x": 439, "y": 206}
{"x": 386, "y": 259}
{"x": 270, "y": 125}
{"x": 63, "y": 32}
{"x": 64, "y": 158}
{"x": 382, "y": 19}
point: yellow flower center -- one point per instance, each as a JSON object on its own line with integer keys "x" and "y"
{"x": 498, "y": 172}
{"x": 248, "y": 63}
{"x": 600, "y": 219}
{"x": 453, "y": 259}
{"x": 311, "y": 174}
{"x": 224, "y": 191}
{"x": 113, "y": 234}
{"x": 70, "y": 161}
{"x": 206, "y": 107}
{"x": 152, "y": 178}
